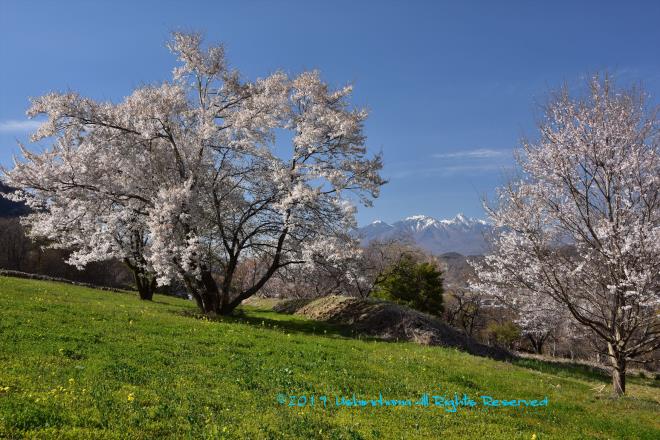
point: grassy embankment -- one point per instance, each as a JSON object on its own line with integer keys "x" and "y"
{"x": 82, "y": 363}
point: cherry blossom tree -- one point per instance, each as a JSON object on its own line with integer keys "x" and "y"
{"x": 79, "y": 204}
{"x": 582, "y": 224}
{"x": 538, "y": 316}
{"x": 200, "y": 167}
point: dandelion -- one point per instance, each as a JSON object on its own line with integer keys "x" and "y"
{"x": 130, "y": 397}
{"x": 534, "y": 436}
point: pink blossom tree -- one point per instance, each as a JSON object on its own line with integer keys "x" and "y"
{"x": 211, "y": 169}
{"x": 582, "y": 224}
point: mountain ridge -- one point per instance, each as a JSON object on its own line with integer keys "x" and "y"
{"x": 460, "y": 234}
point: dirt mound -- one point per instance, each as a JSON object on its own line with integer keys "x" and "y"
{"x": 292, "y": 306}
{"x": 388, "y": 321}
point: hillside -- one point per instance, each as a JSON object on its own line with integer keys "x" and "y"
{"x": 82, "y": 363}
{"x": 459, "y": 234}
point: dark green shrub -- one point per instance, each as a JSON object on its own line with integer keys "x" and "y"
{"x": 413, "y": 284}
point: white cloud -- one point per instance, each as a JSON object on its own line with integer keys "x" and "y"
{"x": 450, "y": 170}
{"x": 479, "y": 153}
{"x": 466, "y": 162}
{"x": 16, "y": 126}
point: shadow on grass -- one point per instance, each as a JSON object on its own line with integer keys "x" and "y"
{"x": 260, "y": 318}
{"x": 584, "y": 371}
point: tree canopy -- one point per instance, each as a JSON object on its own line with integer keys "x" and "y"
{"x": 581, "y": 226}
{"x": 184, "y": 180}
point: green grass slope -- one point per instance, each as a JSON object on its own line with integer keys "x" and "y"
{"x": 82, "y": 363}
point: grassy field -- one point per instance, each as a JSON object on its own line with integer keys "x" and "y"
{"x": 81, "y": 363}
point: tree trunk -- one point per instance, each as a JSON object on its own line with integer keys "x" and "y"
{"x": 146, "y": 285}
{"x": 618, "y": 370}
{"x": 211, "y": 294}
{"x": 619, "y": 380}
{"x": 205, "y": 292}
{"x": 193, "y": 291}
{"x": 213, "y": 301}
{"x": 537, "y": 343}
{"x": 144, "y": 282}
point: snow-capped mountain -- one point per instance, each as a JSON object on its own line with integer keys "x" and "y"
{"x": 464, "y": 235}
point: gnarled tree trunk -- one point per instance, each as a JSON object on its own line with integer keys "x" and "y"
{"x": 144, "y": 282}
{"x": 204, "y": 291}
{"x": 146, "y": 286}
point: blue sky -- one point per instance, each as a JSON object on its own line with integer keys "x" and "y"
{"x": 451, "y": 86}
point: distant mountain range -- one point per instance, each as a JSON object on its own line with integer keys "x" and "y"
{"x": 463, "y": 235}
